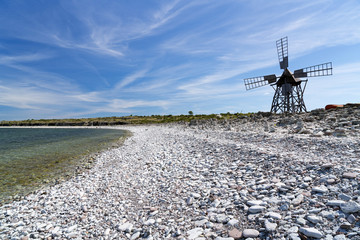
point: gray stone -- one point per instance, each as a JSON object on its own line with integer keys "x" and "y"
{"x": 330, "y": 181}
{"x": 189, "y": 200}
{"x": 328, "y": 215}
{"x": 72, "y": 228}
{"x": 297, "y": 200}
{"x": 125, "y": 227}
{"x": 56, "y": 231}
{"x": 345, "y": 225}
{"x": 293, "y": 229}
{"x": 255, "y": 202}
{"x": 256, "y": 209}
{"x": 195, "y": 195}
{"x": 315, "y": 210}
{"x": 269, "y": 226}
{"x": 350, "y": 175}
{"x": 327, "y": 166}
{"x": 301, "y": 221}
{"x": 314, "y": 219}
{"x": 250, "y": 233}
{"x": 350, "y": 207}
{"x": 194, "y": 233}
{"x": 284, "y": 207}
{"x": 329, "y": 237}
{"x": 232, "y": 222}
{"x": 73, "y": 235}
{"x": 307, "y": 179}
{"x": 311, "y": 232}
{"x": 84, "y": 208}
{"x": 273, "y": 215}
{"x": 200, "y": 223}
{"x": 340, "y": 237}
{"x": 294, "y": 236}
{"x": 135, "y": 236}
{"x": 351, "y": 218}
{"x": 335, "y": 203}
{"x": 149, "y": 222}
{"x": 222, "y": 218}
{"x": 215, "y": 203}
{"x": 320, "y": 189}
{"x": 352, "y": 234}
{"x": 344, "y": 197}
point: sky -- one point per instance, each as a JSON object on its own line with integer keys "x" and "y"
{"x": 79, "y": 59}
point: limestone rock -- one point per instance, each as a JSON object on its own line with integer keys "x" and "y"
{"x": 350, "y": 207}
{"x": 311, "y": 232}
{"x": 250, "y": 233}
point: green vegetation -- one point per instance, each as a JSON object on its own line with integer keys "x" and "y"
{"x": 110, "y": 121}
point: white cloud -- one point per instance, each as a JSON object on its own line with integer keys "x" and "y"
{"x": 117, "y": 104}
{"x": 27, "y": 97}
{"x": 10, "y": 60}
{"x": 349, "y": 68}
{"x": 112, "y": 38}
{"x": 131, "y": 78}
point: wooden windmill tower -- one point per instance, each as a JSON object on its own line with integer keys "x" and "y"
{"x": 289, "y": 87}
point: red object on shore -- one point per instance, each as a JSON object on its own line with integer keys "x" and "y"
{"x": 330, "y": 106}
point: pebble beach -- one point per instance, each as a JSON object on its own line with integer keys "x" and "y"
{"x": 258, "y": 177}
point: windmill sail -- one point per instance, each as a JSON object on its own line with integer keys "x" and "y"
{"x": 255, "y": 82}
{"x": 324, "y": 69}
{"x": 282, "y": 49}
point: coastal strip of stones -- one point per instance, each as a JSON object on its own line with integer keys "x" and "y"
{"x": 339, "y": 122}
{"x": 179, "y": 182}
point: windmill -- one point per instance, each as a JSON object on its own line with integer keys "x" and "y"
{"x": 289, "y": 87}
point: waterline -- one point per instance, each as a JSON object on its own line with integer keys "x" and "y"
{"x": 32, "y": 157}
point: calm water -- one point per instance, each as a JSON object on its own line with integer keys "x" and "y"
{"x": 31, "y": 157}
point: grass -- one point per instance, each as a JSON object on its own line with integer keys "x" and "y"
{"x": 110, "y": 121}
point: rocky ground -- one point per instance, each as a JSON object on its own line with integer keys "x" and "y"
{"x": 259, "y": 177}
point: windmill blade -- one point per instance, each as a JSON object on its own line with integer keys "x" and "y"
{"x": 255, "y": 82}
{"x": 324, "y": 69}
{"x": 282, "y": 49}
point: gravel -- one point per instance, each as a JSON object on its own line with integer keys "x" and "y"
{"x": 257, "y": 178}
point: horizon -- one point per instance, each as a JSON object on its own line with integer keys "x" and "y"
{"x": 76, "y": 59}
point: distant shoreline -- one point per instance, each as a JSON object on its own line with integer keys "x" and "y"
{"x": 121, "y": 121}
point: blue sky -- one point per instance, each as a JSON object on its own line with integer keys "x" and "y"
{"x": 73, "y": 59}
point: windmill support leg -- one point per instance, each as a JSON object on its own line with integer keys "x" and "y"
{"x": 275, "y": 107}
{"x": 291, "y": 101}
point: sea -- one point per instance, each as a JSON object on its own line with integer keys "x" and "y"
{"x": 31, "y": 158}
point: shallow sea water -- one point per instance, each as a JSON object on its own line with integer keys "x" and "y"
{"x": 32, "y": 157}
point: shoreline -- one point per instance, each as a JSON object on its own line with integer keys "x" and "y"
{"x": 205, "y": 181}
{"x": 79, "y": 163}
